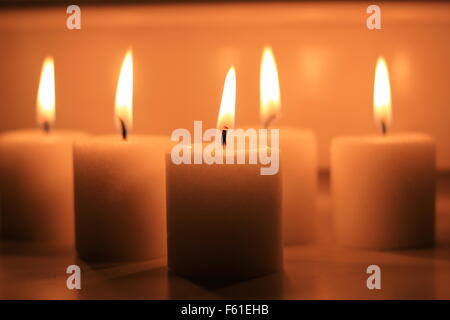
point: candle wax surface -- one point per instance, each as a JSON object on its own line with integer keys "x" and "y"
{"x": 120, "y": 198}
{"x": 36, "y": 179}
{"x": 298, "y": 159}
{"x": 383, "y": 190}
{"x": 298, "y": 155}
{"x": 224, "y": 220}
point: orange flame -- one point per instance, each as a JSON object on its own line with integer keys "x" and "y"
{"x": 124, "y": 94}
{"x": 228, "y": 103}
{"x": 46, "y": 95}
{"x": 382, "y": 96}
{"x": 269, "y": 90}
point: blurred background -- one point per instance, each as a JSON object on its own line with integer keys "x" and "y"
{"x": 325, "y": 54}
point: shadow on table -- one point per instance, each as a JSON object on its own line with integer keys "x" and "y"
{"x": 132, "y": 280}
{"x": 266, "y": 287}
{"x": 152, "y": 280}
{"x": 439, "y": 252}
{"x": 30, "y": 249}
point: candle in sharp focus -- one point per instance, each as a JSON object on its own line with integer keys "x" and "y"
{"x": 36, "y": 176}
{"x": 120, "y": 188}
{"x": 224, "y": 220}
{"x": 383, "y": 185}
{"x": 298, "y": 153}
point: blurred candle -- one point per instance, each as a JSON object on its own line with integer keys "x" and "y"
{"x": 224, "y": 220}
{"x": 36, "y": 176}
{"x": 298, "y": 152}
{"x": 120, "y": 188}
{"x": 383, "y": 186}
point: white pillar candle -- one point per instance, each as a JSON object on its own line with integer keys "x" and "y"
{"x": 298, "y": 155}
{"x": 119, "y": 188}
{"x": 120, "y": 198}
{"x": 298, "y": 152}
{"x": 383, "y": 190}
{"x": 383, "y": 187}
{"x": 36, "y": 181}
{"x": 223, "y": 220}
{"x": 36, "y": 176}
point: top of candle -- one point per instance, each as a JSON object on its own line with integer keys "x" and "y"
{"x": 394, "y": 139}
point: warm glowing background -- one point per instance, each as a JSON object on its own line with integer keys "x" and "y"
{"x": 181, "y": 53}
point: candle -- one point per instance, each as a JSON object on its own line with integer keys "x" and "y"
{"x": 383, "y": 186}
{"x": 36, "y": 178}
{"x": 224, "y": 220}
{"x": 120, "y": 188}
{"x": 298, "y": 154}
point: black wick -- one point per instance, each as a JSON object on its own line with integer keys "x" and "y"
{"x": 123, "y": 128}
{"x": 383, "y": 128}
{"x": 224, "y": 135}
{"x": 46, "y": 127}
{"x": 269, "y": 121}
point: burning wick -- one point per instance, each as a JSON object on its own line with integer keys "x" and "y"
{"x": 224, "y": 135}
{"x": 123, "y": 128}
{"x": 383, "y": 128}
{"x": 46, "y": 127}
{"x": 269, "y": 121}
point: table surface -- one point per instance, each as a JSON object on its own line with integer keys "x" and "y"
{"x": 314, "y": 271}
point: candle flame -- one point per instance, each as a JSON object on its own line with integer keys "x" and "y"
{"x": 124, "y": 94}
{"x": 269, "y": 88}
{"x": 382, "y": 96}
{"x": 46, "y": 95}
{"x": 228, "y": 103}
